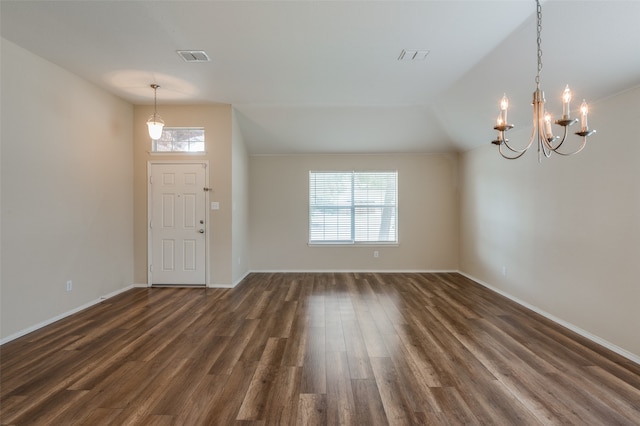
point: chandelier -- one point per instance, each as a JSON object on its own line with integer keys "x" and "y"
{"x": 155, "y": 122}
{"x": 542, "y": 132}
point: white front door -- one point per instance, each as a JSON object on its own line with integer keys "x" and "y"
{"x": 177, "y": 225}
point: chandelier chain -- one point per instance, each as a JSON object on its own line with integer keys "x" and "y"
{"x": 539, "y": 42}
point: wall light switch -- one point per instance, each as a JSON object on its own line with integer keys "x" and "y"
{"x": 215, "y": 205}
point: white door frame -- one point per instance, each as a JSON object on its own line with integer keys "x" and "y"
{"x": 150, "y": 163}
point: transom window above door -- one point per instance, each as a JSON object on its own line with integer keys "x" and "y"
{"x": 180, "y": 139}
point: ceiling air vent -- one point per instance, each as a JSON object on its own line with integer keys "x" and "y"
{"x": 413, "y": 55}
{"x": 194, "y": 55}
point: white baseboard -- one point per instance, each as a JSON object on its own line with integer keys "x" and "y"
{"x": 233, "y": 285}
{"x": 222, "y": 285}
{"x": 64, "y": 315}
{"x": 329, "y": 271}
{"x": 346, "y": 271}
{"x": 620, "y": 351}
{"x": 238, "y": 281}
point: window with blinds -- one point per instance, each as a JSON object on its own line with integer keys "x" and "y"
{"x": 353, "y": 207}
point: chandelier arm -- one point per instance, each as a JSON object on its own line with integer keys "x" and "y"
{"x": 546, "y": 142}
{"x": 546, "y": 150}
{"x": 567, "y": 154}
{"x": 518, "y": 151}
{"x": 580, "y": 148}
{"x": 523, "y": 150}
{"x": 508, "y": 157}
{"x": 564, "y": 137}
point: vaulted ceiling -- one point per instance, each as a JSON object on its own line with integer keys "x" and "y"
{"x": 324, "y": 76}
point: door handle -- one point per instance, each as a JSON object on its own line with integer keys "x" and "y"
{"x": 201, "y": 231}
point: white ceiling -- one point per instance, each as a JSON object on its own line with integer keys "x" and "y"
{"x": 323, "y": 76}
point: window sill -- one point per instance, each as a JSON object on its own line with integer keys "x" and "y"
{"x": 372, "y": 244}
{"x": 161, "y": 153}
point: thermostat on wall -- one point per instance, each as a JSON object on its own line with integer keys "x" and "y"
{"x": 215, "y": 205}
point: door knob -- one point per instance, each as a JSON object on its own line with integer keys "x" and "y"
{"x": 201, "y": 231}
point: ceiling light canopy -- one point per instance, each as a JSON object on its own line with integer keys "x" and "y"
{"x": 547, "y": 143}
{"x": 155, "y": 122}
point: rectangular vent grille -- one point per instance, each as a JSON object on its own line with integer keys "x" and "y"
{"x": 194, "y": 55}
{"x": 413, "y": 55}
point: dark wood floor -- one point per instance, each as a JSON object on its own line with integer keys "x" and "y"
{"x": 368, "y": 349}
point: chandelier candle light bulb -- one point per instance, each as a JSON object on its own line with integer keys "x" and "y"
{"x": 504, "y": 106}
{"x": 547, "y": 126}
{"x": 566, "y": 101}
{"x": 584, "y": 110}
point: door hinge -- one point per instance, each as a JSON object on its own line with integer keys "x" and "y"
{"x": 150, "y": 268}
{"x": 151, "y": 180}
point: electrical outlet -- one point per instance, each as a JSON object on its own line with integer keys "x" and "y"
{"x": 69, "y": 285}
{"x": 376, "y": 253}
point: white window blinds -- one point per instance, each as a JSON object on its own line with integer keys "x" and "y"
{"x": 353, "y": 207}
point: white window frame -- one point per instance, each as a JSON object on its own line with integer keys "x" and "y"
{"x": 173, "y": 152}
{"x": 352, "y": 205}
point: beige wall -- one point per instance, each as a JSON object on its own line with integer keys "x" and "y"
{"x": 427, "y": 222}
{"x": 239, "y": 204}
{"x": 567, "y": 230}
{"x": 217, "y": 122}
{"x": 67, "y": 191}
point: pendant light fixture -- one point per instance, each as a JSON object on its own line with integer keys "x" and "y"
{"x": 547, "y": 143}
{"x": 154, "y": 122}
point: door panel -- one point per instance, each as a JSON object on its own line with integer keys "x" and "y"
{"x": 190, "y": 255}
{"x": 177, "y": 225}
{"x": 168, "y": 255}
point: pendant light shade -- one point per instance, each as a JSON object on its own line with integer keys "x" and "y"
{"x": 155, "y": 122}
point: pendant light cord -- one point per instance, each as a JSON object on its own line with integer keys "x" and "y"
{"x": 155, "y": 100}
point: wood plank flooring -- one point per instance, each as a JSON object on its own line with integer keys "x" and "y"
{"x": 305, "y": 349}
